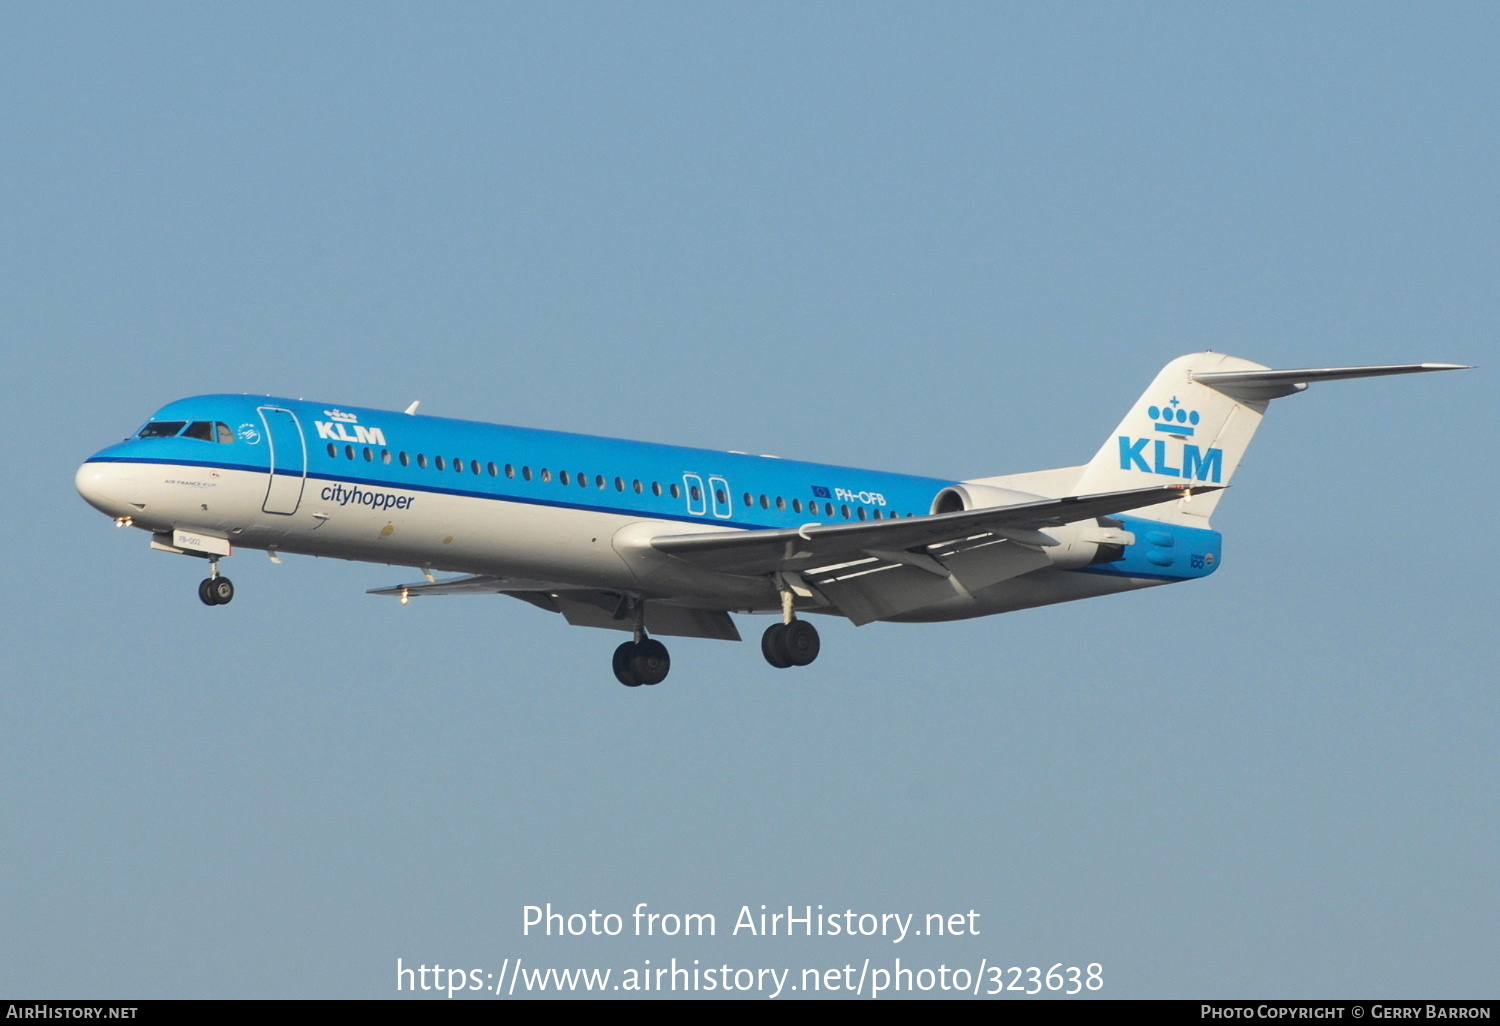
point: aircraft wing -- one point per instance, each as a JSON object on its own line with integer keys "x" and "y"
{"x": 817, "y": 545}
{"x": 580, "y": 607}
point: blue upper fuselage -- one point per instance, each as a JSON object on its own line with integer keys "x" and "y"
{"x": 379, "y": 448}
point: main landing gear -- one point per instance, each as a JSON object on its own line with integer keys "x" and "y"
{"x": 641, "y": 660}
{"x": 214, "y": 590}
{"x": 792, "y": 642}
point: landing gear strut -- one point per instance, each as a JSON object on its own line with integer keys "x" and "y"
{"x": 642, "y": 660}
{"x": 792, "y": 642}
{"x": 214, "y": 590}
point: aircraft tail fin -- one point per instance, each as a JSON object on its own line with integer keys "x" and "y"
{"x": 1194, "y": 423}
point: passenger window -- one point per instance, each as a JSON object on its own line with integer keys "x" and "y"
{"x": 546, "y": 474}
{"x": 765, "y": 503}
{"x": 859, "y": 511}
{"x": 510, "y": 470}
{"x": 619, "y": 484}
{"x": 202, "y": 430}
{"x": 846, "y": 511}
{"x": 405, "y": 460}
{"x": 161, "y": 429}
{"x": 422, "y": 460}
{"x": 458, "y": 465}
{"x": 877, "y": 514}
{"x": 333, "y": 450}
{"x": 599, "y": 481}
{"x": 385, "y": 456}
{"x": 349, "y": 452}
{"x": 494, "y": 470}
{"x": 583, "y": 480}
{"x": 562, "y": 476}
{"x": 637, "y": 485}
{"x": 696, "y": 493}
{"x": 226, "y": 436}
{"x": 474, "y": 467}
{"x": 369, "y": 456}
{"x": 780, "y": 502}
{"x": 676, "y": 491}
{"x": 526, "y": 473}
{"x": 440, "y": 463}
{"x": 796, "y": 505}
{"x": 656, "y": 489}
{"x": 749, "y": 499}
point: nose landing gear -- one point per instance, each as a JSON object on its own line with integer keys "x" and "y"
{"x": 214, "y": 590}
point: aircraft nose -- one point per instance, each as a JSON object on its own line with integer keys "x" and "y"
{"x": 108, "y": 487}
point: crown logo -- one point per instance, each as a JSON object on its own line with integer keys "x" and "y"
{"x": 351, "y": 418}
{"x": 1173, "y": 419}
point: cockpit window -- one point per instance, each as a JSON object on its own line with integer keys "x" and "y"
{"x": 203, "y": 430}
{"x": 225, "y": 435}
{"x": 161, "y": 429}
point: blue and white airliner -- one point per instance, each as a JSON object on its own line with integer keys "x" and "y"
{"x": 661, "y": 540}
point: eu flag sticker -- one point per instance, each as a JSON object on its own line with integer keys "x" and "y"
{"x": 821, "y": 492}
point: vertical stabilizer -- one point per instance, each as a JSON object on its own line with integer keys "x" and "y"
{"x": 1179, "y": 431}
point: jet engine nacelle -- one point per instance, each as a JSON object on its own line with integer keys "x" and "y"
{"x": 1083, "y": 543}
{"x": 960, "y": 497}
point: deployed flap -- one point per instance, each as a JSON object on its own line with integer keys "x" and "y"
{"x": 879, "y": 592}
{"x": 603, "y": 609}
{"x": 817, "y": 545}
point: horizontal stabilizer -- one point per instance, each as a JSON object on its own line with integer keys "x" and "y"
{"x": 1251, "y": 385}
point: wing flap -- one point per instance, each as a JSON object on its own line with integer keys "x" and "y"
{"x": 603, "y": 609}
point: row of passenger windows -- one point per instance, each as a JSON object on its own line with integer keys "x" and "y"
{"x": 458, "y": 465}
{"x": 812, "y": 507}
{"x": 599, "y": 481}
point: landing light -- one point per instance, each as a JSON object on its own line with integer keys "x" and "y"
{"x": 124, "y": 521}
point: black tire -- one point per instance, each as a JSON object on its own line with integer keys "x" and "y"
{"x": 773, "y": 647}
{"x": 205, "y": 592}
{"x": 621, "y": 665}
{"x": 651, "y": 663}
{"x": 800, "y": 642}
{"x": 222, "y": 589}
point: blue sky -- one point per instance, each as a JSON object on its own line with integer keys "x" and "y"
{"x": 956, "y": 240}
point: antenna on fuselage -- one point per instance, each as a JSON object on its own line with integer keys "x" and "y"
{"x": 412, "y": 409}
